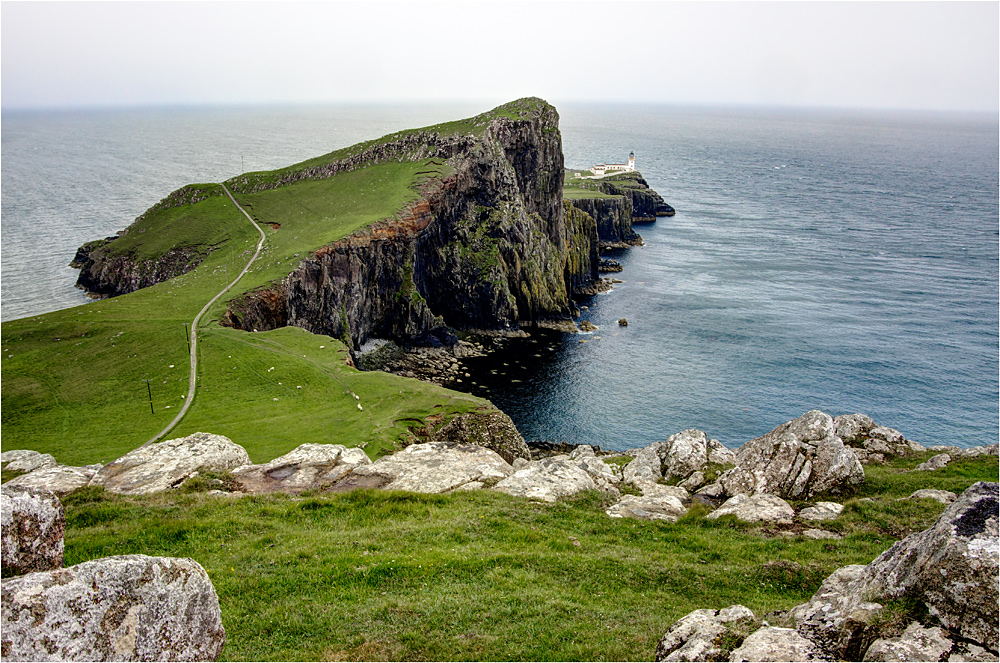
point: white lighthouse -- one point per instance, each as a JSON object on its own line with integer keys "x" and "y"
{"x": 631, "y": 161}
{"x": 602, "y": 169}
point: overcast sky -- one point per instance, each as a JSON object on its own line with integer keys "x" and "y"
{"x": 923, "y": 55}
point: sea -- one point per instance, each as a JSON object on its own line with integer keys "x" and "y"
{"x": 840, "y": 260}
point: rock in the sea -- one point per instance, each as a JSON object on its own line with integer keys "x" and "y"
{"x": 164, "y": 465}
{"x": 942, "y": 496}
{"x": 915, "y": 644}
{"x": 491, "y": 429}
{"x": 128, "y": 608}
{"x": 822, "y": 511}
{"x": 696, "y": 636}
{"x": 933, "y": 463}
{"x": 799, "y": 459}
{"x": 33, "y": 524}
{"x": 431, "y": 467}
{"x": 25, "y": 460}
{"x": 771, "y": 643}
{"x": 60, "y": 479}
{"x": 622, "y": 322}
{"x": 307, "y": 467}
{"x": 756, "y": 508}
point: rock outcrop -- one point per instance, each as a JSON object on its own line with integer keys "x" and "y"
{"x": 485, "y": 248}
{"x": 307, "y": 467}
{"x": 951, "y": 569}
{"x": 25, "y": 460}
{"x": 797, "y": 460}
{"x": 491, "y": 429}
{"x": 128, "y": 608}
{"x": 60, "y": 479}
{"x": 944, "y": 580}
{"x": 432, "y": 467}
{"x": 697, "y": 635}
{"x": 33, "y": 523}
{"x": 760, "y": 507}
{"x": 163, "y": 465}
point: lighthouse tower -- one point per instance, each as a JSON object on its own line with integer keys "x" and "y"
{"x": 631, "y": 161}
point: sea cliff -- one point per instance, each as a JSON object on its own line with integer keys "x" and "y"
{"x": 487, "y": 243}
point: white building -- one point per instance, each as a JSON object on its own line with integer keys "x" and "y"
{"x": 605, "y": 168}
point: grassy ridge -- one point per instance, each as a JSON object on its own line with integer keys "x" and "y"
{"x": 481, "y": 575}
{"x": 74, "y": 379}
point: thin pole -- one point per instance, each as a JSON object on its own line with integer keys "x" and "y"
{"x": 188, "y": 337}
{"x": 149, "y": 390}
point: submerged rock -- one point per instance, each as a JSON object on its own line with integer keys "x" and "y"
{"x": 33, "y": 524}
{"x": 163, "y": 465}
{"x": 128, "y": 608}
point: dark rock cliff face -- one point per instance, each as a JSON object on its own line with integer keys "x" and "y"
{"x": 613, "y": 217}
{"x": 488, "y": 247}
{"x": 103, "y": 277}
{"x": 106, "y": 270}
{"x": 635, "y": 202}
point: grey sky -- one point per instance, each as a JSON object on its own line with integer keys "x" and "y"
{"x": 923, "y": 55}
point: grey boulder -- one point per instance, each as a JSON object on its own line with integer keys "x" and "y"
{"x": 164, "y": 465}
{"x": 128, "y": 608}
{"x": 933, "y": 463}
{"x": 25, "y": 460}
{"x": 696, "y": 636}
{"x": 432, "y": 467}
{"x": 821, "y": 511}
{"x": 60, "y": 479}
{"x": 307, "y": 467}
{"x": 756, "y": 508}
{"x": 490, "y": 429}
{"x": 32, "y": 526}
{"x": 771, "y": 643}
{"x": 799, "y": 459}
{"x": 915, "y": 644}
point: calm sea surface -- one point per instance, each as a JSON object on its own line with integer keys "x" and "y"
{"x": 819, "y": 260}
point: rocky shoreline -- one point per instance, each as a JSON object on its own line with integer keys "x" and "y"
{"x": 815, "y": 461}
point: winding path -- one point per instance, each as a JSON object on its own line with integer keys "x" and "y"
{"x": 192, "y": 382}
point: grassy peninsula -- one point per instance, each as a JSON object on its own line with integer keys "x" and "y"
{"x": 74, "y": 380}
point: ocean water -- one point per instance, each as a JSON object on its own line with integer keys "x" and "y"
{"x": 842, "y": 261}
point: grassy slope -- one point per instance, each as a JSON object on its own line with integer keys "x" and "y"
{"x": 577, "y": 186}
{"x": 73, "y": 379}
{"x": 483, "y": 576}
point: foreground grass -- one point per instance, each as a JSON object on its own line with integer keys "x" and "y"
{"x": 479, "y": 575}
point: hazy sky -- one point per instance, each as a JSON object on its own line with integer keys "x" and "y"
{"x": 922, "y": 55}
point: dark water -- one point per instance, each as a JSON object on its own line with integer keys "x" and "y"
{"x": 845, "y": 262}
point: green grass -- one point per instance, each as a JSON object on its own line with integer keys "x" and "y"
{"x": 74, "y": 379}
{"x": 475, "y": 576}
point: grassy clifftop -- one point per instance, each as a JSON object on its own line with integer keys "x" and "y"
{"x": 75, "y": 380}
